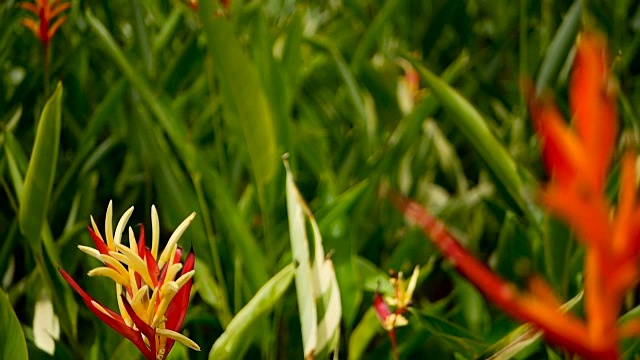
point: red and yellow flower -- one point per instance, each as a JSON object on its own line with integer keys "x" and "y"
{"x": 152, "y": 289}
{"x": 45, "y": 27}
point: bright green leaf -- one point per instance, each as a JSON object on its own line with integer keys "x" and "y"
{"x": 42, "y": 168}
{"x": 265, "y": 299}
{"x": 12, "y": 342}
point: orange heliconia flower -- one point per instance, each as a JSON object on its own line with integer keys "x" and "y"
{"x": 578, "y": 158}
{"x": 45, "y": 11}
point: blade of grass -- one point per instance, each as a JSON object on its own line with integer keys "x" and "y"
{"x": 373, "y": 33}
{"x": 559, "y": 48}
{"x": 174, "y": 128}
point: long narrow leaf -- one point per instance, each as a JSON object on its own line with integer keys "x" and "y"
{"x": 559, "y": 48}
{"x": 474, "y": 127}
{"x": 264, "y": 300}
{"x": 42, "y": 168}
{"x": 241, "y": 86}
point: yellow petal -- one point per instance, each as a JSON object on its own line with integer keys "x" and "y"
{"x": 99, "y": 307}
{"x": 134, "y": 261}
{"x": 178, "y": 337}
{"x": 117, "y": 237}
{"x": 182, "y": 280}
{"x": 108, "y": 226}
{"x": 90, "y": 251}
{"x": 173, "y": 240}
{"x": 172, "y": 271}
{"x": 155, "y": 232}
{"x": 95, "y": 228}
{"x": 106, "y": 259}
{"x": 110, "y": 273}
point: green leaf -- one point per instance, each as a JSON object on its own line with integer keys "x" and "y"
{"x": 368, "y": 327}
{"x": 243, "y": 90}
{"x": 42, "y": 168}
{"x": 559, "y": 48}
{"x": 157, "y": 103}
{"x": 450, "y": 333}
{"x": 474, "y": 127}
{"x": 265, "y": 299}
{"x": 12, "y": 342}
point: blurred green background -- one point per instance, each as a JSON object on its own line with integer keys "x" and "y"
{"x": 191, "y": 110}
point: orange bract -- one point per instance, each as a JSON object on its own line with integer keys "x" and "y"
{"x": 45, "y": 11}
{"x": 578, "y": 159}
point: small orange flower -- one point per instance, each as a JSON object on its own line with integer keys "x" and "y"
{"x": 45, "y": 11}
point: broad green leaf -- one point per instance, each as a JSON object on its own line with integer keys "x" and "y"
{"x": 243, "y": 90}
{"x": 368, "y": 327}
{"x": 42, "y": 168}
{"x": 316, "y": 284}
{"x": 265, "y": 299}
{"x": 12, "y": 342}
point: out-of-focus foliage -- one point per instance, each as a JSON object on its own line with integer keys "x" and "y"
{"x": 192, "y": 110}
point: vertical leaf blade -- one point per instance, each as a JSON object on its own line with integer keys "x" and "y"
{"x": 41, "y": 171}
{"x": 243, "y": 90}
{"x": 317, "y": 288}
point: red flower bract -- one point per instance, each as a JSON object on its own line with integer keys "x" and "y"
{"x": 45, "y": 11}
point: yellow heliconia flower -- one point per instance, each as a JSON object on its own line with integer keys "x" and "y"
{"x": 152, "y": 291}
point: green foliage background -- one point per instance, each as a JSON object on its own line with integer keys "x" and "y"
{"x": 192, "y": 111}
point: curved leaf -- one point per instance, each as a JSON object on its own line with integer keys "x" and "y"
{"x": 264, "y": 300}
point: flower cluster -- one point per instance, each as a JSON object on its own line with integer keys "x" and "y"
{"x": 152, "y": 298}
{"x": 578, "y": 158}
{"x": 400, "y": 301}
{"x": 45, "y": 11}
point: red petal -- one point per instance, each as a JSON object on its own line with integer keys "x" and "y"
{"x": 114, "y": 321}
{"x": 592, "y": 103}
{"x": 100, "y": 244}
{"x": 381, "y": 307}
{"x": 147, "y": 330}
